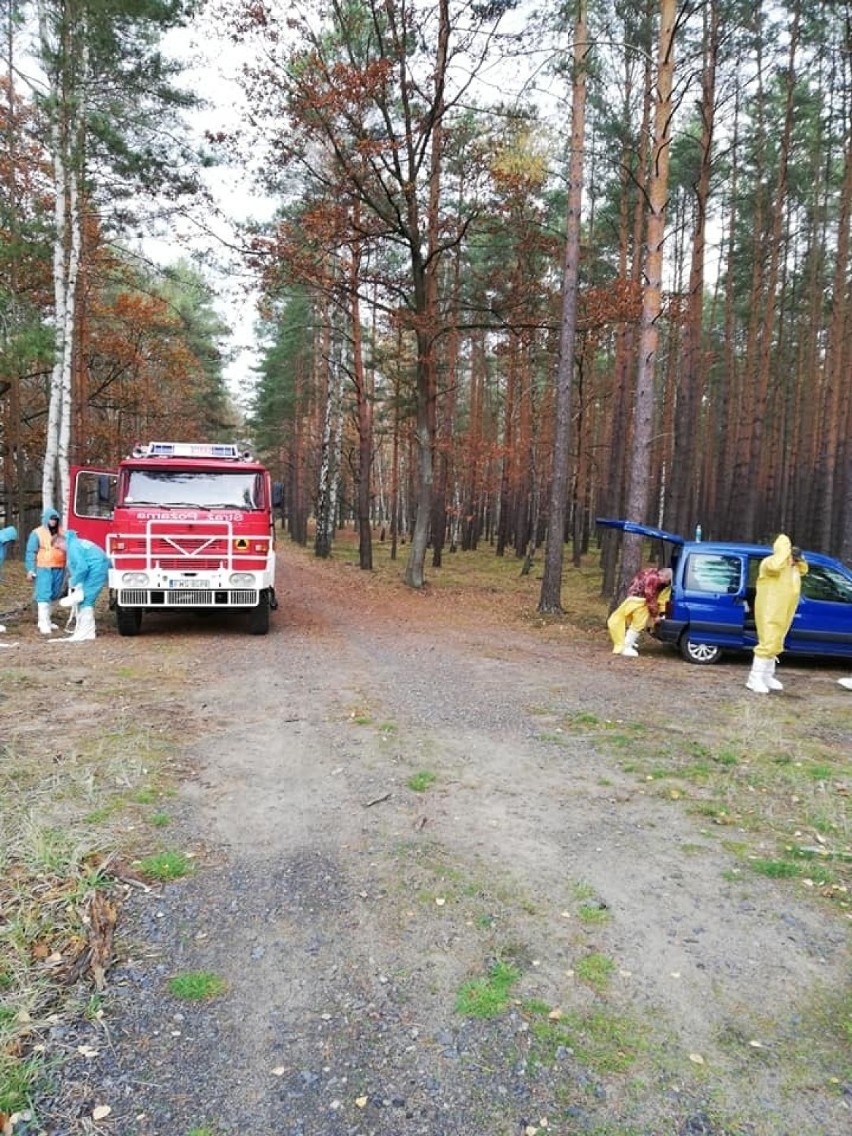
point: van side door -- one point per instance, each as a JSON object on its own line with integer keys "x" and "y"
{"x": 822, "y": 624}
{"x": 713, "y": 591}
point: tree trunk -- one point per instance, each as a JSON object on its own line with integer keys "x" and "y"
{"x": 767, "y": 330}
{"x": 643, "y": 411}
{"x": 325, "y": 496}
{"x": 425, "y": 279}
{"x": 363, "y": 406}
{"x": 68, "y": 75}
{"x": 550, "y": 597}
{"x": 685, "y": 458}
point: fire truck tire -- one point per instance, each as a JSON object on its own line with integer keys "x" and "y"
{"x": 128, "y": 619}
{"x": 259, "y": 616}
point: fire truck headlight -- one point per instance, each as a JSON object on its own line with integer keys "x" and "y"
{"x": 135, "y": 579}
{"x": 241, "y": 580}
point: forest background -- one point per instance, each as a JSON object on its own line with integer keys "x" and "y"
{"x": 528, "y": 266}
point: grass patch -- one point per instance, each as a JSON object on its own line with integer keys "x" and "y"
{"x": 420, "y": 782}
{"x": 775, "y": 777}
{"x": 197, "y": 986}
{"x": 592, "y": 912}
{"x": 607, "y": 1042}
{"x": 775, "y": 869}
{"x": 596, "y": 970}
{"x": 19, "y": 1080}
{"x": 165, "y": 866}
{"x": 488, "y": 997}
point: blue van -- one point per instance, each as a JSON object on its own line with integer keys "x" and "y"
{"x": 712, "y": 601}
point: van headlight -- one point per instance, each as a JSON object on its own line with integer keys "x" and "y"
{"x": 135, "y": 579}
{"x": 241, "y": 579}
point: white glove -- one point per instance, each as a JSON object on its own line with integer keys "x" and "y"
{"x": 75, "y": 596}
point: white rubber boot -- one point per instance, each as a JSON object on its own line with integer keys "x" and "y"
{"x": 846, "y": 683}
{"x": 631, "y": 638}
{"x": 756, "y": 678}
{"x": 44, "y": 624}
{"x": 85, "y": 628}
{"x": 769, "y": 678}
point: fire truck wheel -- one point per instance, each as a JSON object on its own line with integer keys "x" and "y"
{"x": 259, "y": 616}
{"x": 128, "y": 619}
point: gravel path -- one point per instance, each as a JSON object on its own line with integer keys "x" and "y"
{"x": 345, "y": 910}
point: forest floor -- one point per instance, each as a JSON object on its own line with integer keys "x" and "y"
{"x": 418, "y": 864}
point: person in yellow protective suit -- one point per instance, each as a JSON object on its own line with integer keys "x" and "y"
{"x": 779, "y": 584}
{"x": 646, "y": 598}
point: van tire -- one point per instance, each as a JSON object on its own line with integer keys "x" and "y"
{"x": 702, "y": 654}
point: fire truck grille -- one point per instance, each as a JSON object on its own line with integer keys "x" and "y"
{"x": 196, "y": 564}
{"x": 196, "y": 597}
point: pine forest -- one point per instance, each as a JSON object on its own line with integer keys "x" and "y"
{"x": 527, "y": 265}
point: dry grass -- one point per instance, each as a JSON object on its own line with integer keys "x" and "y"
{"x": 79, "y": 774}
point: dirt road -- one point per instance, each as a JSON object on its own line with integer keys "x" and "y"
{"x": 390, "y": 797}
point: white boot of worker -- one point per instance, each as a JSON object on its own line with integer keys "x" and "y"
{"x": 846, "y": 683}
{"x": 757, "y": 676}
{"x": 769, "y": 678}
{"x": 85, "y": 628}
{"x": 44, "y": 623}
{"x": 631, "y": 638}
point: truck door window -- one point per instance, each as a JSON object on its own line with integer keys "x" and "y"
{"x": 713, "y": 572}
{"x": 195, "y": 488}
{"x": 94, "y": 494}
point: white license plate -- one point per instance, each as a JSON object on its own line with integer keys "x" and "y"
{"x": 188, "y": 584}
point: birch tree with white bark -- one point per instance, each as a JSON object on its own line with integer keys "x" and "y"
{"x": 109, "y": 106}
{"x": 62, "y": 40}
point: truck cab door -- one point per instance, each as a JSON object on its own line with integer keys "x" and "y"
{"x": 92, "y": 497}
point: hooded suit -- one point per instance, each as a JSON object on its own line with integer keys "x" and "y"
{"x": 779, "y": 584}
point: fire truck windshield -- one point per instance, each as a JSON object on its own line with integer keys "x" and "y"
{"x": 201, "y": 489}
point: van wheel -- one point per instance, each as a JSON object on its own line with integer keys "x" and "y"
{"x": 259, "y": 616}
{"x": 128, "y": 619}
{"x": 700, "y": 653}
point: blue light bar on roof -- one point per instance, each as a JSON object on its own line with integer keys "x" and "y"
{"x": 191, "y": 450}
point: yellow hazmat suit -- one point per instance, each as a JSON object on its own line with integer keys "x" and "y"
{"x": 779, "y": 584}
{"x": 647, "y": 595}
{"x": 632, "y": 614}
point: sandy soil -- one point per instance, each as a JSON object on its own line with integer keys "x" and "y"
{"x": 346, "y": 910}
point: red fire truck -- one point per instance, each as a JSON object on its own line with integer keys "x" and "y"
{"x": 187, "y": 526}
